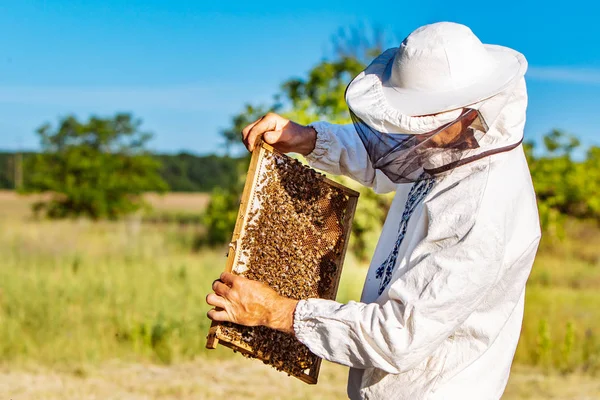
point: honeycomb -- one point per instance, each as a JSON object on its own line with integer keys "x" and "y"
{"x": 292, "y": 232}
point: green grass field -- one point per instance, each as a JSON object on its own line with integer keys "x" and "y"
{"x": 80, "y": 301}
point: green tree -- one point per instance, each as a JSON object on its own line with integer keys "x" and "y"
{"x": 220, "y": 216}
{"x": 589, "y": 173}
{"x": 564, "y": 186}
{"x": 317, "y": 96}
{"x": 321, "y": 94}
{"x": 186, "y": 172}
{"x": 96, "y": 169}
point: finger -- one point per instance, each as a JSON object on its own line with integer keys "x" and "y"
{"x": 220, "y": 288}
{"x": 228, "y": 278}
{"x": 220, "y": 315}
{"x": 264, "y": 125}
{"x": 246, "y": 130}
{"x": 215, "y": 300}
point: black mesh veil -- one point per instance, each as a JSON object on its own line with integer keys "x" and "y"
{"x": 409, "y": 157}
{"x": 406, "y": 157}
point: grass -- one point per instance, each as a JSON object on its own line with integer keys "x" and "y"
{"x": 80, "y": 292}
{"x": 83, "y": 292}
{"x": 238, "y": 378}
{"x": 561, "y": 327}
{"x": 76, "y": 295}
{"x": 573, "y": 261}
{"x": 561, "y": 330}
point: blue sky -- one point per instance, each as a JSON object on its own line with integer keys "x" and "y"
{"x": 185, "y": 67}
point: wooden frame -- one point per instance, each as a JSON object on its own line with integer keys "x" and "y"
{"x": 215, "y": 335}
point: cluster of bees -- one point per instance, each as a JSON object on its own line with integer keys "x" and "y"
{"x": 292, "y": 241}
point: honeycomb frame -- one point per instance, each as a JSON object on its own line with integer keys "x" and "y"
{"x": 218, "y": 332}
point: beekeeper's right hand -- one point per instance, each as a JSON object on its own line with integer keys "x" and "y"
{"x": 283, "y": 134}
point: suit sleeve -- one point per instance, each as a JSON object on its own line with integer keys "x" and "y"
{"x": 339, "y": 151}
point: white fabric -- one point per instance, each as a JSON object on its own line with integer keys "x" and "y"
{"x": 438, "y": 67}
{"x": 448, "y": 324}
{"x": 431, "y": 59}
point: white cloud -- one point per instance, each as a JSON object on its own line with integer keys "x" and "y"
{"x": 565, "y": 74}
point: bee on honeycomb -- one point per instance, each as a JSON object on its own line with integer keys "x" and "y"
{"x": 293, "y": 239}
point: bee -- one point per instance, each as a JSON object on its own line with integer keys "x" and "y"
{"x": 292, "y": 241}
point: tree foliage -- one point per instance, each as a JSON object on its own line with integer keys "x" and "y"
{"x": 9, "y": 163}
{"x": 317, "y": 96}
{"x": 96, "y": 169}
{"x": 564, "y": 186}
{"x": 321, "y": 94}
{"x": 221, "y": 213}
{"x": 185, "y": 172}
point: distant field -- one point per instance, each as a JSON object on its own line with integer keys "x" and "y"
{"x": 190, "y": 202}
{"x": 11, "y": 202}
{"x": 75, "y": 296}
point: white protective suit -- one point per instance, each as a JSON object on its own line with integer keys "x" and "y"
{"x": 447, "y": 321}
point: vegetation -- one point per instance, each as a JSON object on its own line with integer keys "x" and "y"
{"x": 565, "y": 186}
{"x": 96, "y": 169}
{"x": 117, "y": 289}
{"x": 239, "y": 378}
{"x": 183, "y": 172}
{"x": 186, "y": 172}
{"x": 105, "y": 289}
{"x": 221, "y": 214}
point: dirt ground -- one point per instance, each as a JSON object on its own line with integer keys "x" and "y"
{"x": 234, "y": 379}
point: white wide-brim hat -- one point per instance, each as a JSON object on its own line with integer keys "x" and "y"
{"x": 437, "y": 68}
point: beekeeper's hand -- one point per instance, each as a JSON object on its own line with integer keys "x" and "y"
{"x": 246, "y": 302}
{"x": 283, "y": 134}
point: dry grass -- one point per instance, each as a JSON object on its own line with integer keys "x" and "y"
{"x": 237, "y": 379}
{"x": 186, "y": 202}
{"x": 14, "y": 205}
{"x": 529, "y": 383}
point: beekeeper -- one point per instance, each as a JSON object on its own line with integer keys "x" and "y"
{"x": 439, "y": 120}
